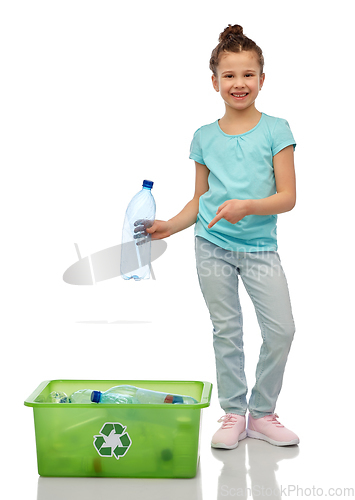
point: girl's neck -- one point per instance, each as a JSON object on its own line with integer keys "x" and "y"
{"x": 239, "y": 121}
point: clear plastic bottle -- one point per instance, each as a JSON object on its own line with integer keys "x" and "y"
{"x": 131, "y": 394}
{"x": 82, "y": 396}
{"x": 111, "y": 397}
{"x": 57, "y": 397}
{"x": 136, "y": 242}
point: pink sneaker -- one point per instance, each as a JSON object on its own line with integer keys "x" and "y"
{"x": 269, "y": 429}
{"x": 230, "y": 433}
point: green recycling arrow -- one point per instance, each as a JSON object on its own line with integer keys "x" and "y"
{"x": 112, "y": 440}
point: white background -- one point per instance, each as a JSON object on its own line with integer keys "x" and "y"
{"x": 97, "y": 96}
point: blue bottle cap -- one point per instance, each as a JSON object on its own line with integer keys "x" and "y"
{"x": 96, "y": 396}
{"x": 178, "y": 400}
{"x": 148, "y": 184}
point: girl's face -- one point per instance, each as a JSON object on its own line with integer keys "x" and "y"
{"x": 238, "y": 79}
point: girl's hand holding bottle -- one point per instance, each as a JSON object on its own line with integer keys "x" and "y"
{"x": 160, "y": 229}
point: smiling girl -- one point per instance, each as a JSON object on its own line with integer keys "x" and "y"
{"x": 244, "y": 177}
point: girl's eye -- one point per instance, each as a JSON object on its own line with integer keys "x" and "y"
{"x": 229, "y": 76}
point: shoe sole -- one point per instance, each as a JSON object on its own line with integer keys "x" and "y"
{"x": 243, "y": 435}
{"x": 263, "y": 437}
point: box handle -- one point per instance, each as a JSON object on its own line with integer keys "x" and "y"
{"x": 206, "y": 393}
{"x": 30, "y": 401}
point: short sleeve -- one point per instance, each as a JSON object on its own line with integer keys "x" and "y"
{"x": 282, "y": 136}
{"x": 196, "y": 149}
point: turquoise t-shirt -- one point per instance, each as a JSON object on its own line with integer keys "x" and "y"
{"x": 241, "y": 168}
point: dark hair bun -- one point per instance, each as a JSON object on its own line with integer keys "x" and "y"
{"x": 231, "y": 32}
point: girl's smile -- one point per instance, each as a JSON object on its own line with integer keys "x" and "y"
{"x": 239, "y": 97}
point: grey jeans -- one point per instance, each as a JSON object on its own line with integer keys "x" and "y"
{"x": 265, "y": 282}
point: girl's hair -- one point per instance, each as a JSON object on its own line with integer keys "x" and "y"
{"x": 233, "y": 40}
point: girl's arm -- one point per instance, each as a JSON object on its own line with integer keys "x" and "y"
{"x": 285, "y": 178}
{"x": 188, "y": 215}
{"x": 283, "y": 201}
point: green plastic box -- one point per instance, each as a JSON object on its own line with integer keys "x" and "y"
{"x": 108, "y": 440}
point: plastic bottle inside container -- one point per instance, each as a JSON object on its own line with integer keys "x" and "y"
{"x": 136, "y": 242}
{"x": 82, "y": 396}
{"x": 131, "y": 394}
{"x": 57, "y": 397}
{"x": 112, "y": 397}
